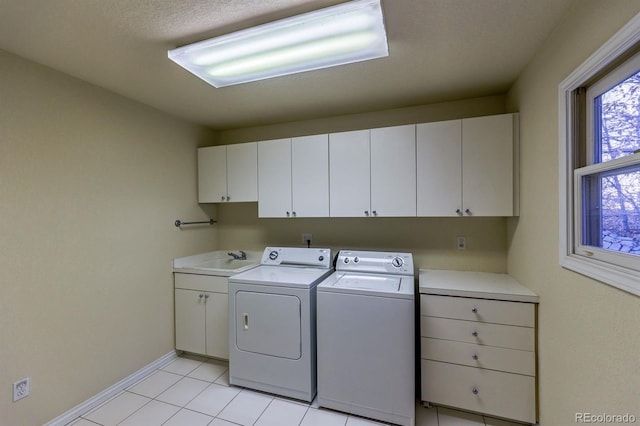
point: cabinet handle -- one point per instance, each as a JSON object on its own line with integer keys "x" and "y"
{"x": 200, "y": 296}
{"x": 294, "y": 214}
{"x": 475, "y": 390}
{"x": 366, "y": 212}
{"x": 288, "y": 214}
{"x": 467, "y": 211}
{"x": 375, "y": 213}
{"x": 245, "y": 321}
{"x": 222, "y": 198}
{"x": 228, "y": 198}
{"x": 475, "y": 357}
{"x": 474, "y": 310}
{"x": 206, "y": 296}
{"x": 458, "y": 212}
{"x": 474, "y": 333}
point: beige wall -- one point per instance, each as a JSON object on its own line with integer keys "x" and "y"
{"x": 589, "y": 345}
{"x": 431, "y": 240}
{"x": 90, "y": 184}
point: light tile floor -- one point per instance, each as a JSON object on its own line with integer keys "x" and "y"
{"x": 191, "y": 391}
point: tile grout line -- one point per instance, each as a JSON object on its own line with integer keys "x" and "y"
{"x": 307, "y": 406}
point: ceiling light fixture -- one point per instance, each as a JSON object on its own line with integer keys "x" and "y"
{"x": 337, "y": 35}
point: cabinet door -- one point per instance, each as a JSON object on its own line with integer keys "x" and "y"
{"x": 487, "y": 163}
{"x": 439, "y": 168}
{"x": 190, "y": 321}
{"x": 217, "y": 325}
{"x": 393, "y": 171}
{"x": 274, "y": 178}
{"x": 242, "y": 172}
{"x": 349, "y": 174}
{"x": 310, "y": 176}
{"x": 212, "y": 174}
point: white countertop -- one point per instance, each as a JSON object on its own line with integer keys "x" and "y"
{"x": 483, "y": 285}
{"x": 217, "y": 263}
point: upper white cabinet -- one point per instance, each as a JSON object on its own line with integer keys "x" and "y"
{"x": 274, "y": 177}
{"x": 439, "y": 168}
{"x": 228, "y": 173}
{"x": 294, "y": 177}
{"x": 212, "y": 174}
{"x": 462, "y": 167}
{"x": 466, "y": 167}
{"x": 349, "y": 174}
{"x": 393, "y": 171}
{"x": 373, "y": 172}
{"x": 310, "y": 176}
{"x": 488, "y": 165}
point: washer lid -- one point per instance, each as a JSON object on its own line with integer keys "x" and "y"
{"x": 283, "y": 276}
{"x": 369, "y": 282}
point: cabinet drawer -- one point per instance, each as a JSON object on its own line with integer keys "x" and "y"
{"x": 209, "y": 283}
{"x": 491, "y": 357}
{"x": 512, "y": 396}
{"x": 504, "y": 336}
{"x": 493, "y": 311}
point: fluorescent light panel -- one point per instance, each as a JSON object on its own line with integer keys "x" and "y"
{"x": 338, "y": 35}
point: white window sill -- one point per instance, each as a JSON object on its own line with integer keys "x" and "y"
{"x": 616, "y": 276}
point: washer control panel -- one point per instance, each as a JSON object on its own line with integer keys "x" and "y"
{"x": 375, "y": 262}
{"x": 297, "y": 256}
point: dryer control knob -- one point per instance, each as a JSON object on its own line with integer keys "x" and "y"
{"x": 273, "y": 255}
{"x": 320, "y": 258}
{"x": 397, "y": 261}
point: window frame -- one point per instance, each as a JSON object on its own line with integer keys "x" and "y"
{"x": 599, "y": 264}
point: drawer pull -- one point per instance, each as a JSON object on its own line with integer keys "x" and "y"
{"x": 474, "y": 333}
{"x": 474, "y": 310}
{"x": 475, "y": 391}
{"x": 475, "y": 357}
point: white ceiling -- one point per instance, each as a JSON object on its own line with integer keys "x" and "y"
{"x": 439, "y": 50}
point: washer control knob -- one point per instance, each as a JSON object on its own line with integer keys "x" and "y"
{"x": 320, "y": 258}
{"x": 273, "y": 255}
{"x": 397, "y": 261}
{"x": 346, "y": 260}
{"x": 356, "y": 259}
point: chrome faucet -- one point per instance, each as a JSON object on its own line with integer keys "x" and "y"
{"x": 241, "y": 256}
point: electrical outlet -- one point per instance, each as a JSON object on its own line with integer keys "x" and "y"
{"x": 307, "y": 239}
{"x": 21, "y": 389}
{"x": 461, "y": 243}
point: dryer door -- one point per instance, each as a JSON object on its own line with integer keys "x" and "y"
{"x": 268, "y": 324}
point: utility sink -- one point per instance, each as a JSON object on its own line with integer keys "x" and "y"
{"x": 216, "y": 263}
{"x": 230, "y": 264}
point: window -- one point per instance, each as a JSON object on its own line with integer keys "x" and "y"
{"x": 600, "y": 164}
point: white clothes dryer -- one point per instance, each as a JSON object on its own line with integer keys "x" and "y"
{"x": 366, "y": 342}
{"x": 272, "y": 322}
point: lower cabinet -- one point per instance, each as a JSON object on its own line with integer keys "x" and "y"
{"x": 202, "y": 314}
{"x": 478, "y": 344}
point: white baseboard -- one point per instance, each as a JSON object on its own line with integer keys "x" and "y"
{"x": 111, "y": 391}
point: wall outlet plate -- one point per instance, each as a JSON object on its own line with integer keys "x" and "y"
{"x": 461, "y": 243}
{"x": 21, "y": 389}
{"x": 307, "y": 239}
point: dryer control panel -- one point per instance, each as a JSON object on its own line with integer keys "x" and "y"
{"x": 380, "y": 262}
{"x": 297, "y": 256}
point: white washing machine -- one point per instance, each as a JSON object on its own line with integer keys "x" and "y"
{"x": 366, "y": 343}
{"x": 272, "y": 322}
